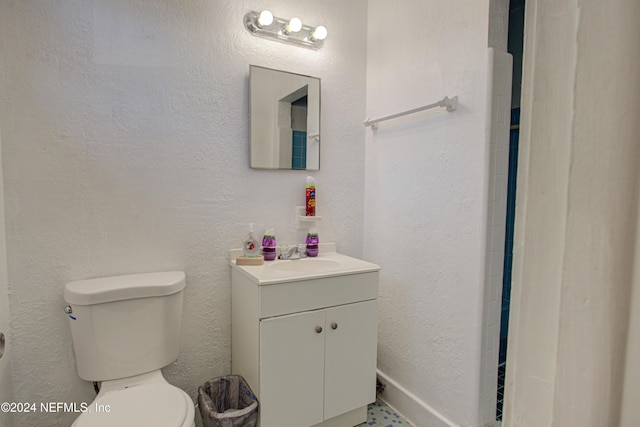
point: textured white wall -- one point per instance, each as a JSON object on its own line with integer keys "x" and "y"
{"x": 125, "y": 148}
{"x": 426, "y": 198}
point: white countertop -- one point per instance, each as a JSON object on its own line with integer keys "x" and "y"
{"x": 327, "y": 264}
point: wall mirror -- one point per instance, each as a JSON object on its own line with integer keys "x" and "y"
{"x": 285, "y": 120}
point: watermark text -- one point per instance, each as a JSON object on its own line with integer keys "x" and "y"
{"x": 53, "y": 407}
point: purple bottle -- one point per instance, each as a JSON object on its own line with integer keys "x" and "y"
{"x": 269, "y": 245}
{"x": 312, "y": 243}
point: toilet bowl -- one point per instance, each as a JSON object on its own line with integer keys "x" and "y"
{"x": 144, "y": 400}
{"x": 124, "y": 330}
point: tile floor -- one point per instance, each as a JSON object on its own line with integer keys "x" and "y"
{"x": 380, "y": 415}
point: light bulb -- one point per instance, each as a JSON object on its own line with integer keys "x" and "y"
{"x": 320, "y": 33}
{"x": 265, "y": 19}
{"x": 294, "y": 25}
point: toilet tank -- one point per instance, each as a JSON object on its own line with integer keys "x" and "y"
{"x": 125, "y": 325}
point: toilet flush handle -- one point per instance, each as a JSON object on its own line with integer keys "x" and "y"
{"x": 69, "y": 312}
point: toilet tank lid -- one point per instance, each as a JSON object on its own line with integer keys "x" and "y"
{"x": 117, "y": 288}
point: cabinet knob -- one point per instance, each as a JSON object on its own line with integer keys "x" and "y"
{"x": 318, "y": 329}
{"x": 334, "y": 325}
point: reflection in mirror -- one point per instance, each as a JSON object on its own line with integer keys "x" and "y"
{"x": 285, "y": 120}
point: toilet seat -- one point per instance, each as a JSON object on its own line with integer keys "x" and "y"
{"x": 160, "y": 405}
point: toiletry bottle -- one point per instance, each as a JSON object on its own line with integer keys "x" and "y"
{"x": 269, "y": 245}
{"x": 312, "y": 243}
{"x": 311, "y": 196}
{"x": 250, "y": 246}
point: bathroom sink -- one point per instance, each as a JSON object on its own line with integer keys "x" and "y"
{"x": 314, "y": 265}
{"x": 328, "y": 263}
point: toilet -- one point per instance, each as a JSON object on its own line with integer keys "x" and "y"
{"x": 124, "y": 330}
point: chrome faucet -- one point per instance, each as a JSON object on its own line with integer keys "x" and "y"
{"x": 295, "y": 252}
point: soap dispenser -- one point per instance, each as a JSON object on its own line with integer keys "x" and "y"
{"x": 251, "y": 247}
{"x": 251, "y": 250}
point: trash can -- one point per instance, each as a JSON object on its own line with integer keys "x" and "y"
{"x": 227, "y": 401}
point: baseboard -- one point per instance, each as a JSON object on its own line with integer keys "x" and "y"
{"x": 409, "y": 406}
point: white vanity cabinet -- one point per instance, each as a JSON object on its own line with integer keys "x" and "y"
{"x": 307, "y": 347}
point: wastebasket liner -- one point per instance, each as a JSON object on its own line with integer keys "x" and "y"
{"x": 227, "y": 402}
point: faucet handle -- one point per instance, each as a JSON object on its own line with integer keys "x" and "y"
{"x": 301, "y": 250}
{"x": 295, "y": 251}
{"x": 282, "y": 251}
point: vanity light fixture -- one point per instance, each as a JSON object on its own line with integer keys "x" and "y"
{"x": 264, "y": 19}
{"x": 320, "y": 33}
{"x": 293, "y": 26}
{"x": 290, "y": 31}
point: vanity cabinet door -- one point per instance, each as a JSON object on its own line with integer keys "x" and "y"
{"x": 292, "y": 370}
{"x": 350, "y": 357}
